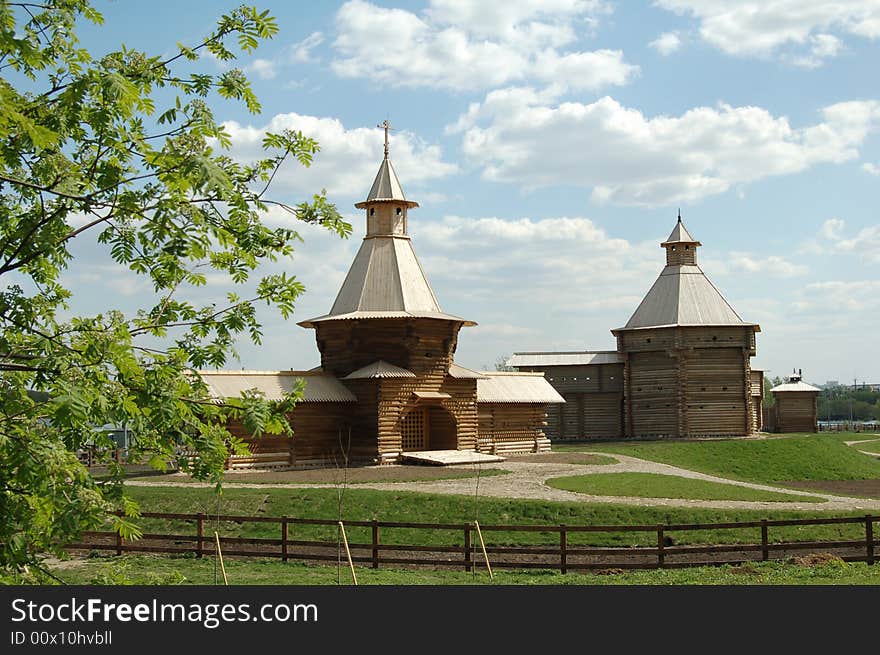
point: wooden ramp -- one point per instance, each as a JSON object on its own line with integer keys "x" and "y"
{"x": 450, "y": 457}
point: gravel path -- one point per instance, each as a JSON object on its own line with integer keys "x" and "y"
{"x": 526, "y": 480}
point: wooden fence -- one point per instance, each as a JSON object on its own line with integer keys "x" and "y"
{"x": 561, "y": 554}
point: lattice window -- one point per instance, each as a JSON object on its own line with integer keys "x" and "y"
{"x": 412, "y": 430}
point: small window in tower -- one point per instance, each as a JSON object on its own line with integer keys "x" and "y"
{"x": 398, "y": 211}
{"x": 673, "y": 248}
{"x": 372, "y": 211}
{"x": 714, "y": 338}
{"x": 649, "y": 340}
{"x": 687, "y": 247}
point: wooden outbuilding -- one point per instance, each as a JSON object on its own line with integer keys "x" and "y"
{"x": 795, "y": 405}
{"x": 387, "y": 352}
{"x": 591, "y": 384}
{"x": 681, "y": 369}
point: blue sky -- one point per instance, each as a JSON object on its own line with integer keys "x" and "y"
{"x": 550, "y": 144}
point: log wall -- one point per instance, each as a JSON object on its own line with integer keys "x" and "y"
{"x": 796, "y": 411}
{"x": 689, "y": 381}
{"x": 510, "y": 428}
{"x": 421, "y": 345}
{"x": 593, "y": 396}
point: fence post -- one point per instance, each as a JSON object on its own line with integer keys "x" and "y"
{"x": 869, "y": 539}
{"x": 119, "y": 541}
{"x": 200, "y": 535}
{"x": 765, "y": 550}
{"x": 661, "y": 556}
{"x": 375, "y": 544}
{"x": 468, "y": 566}
{"x": 283, "y": 538}
{"x": 563, "y": 554}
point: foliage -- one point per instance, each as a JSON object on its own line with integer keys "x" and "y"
{"x": 845, "y": 403}
{"x": 124, "y": 150}
{"x": 654, "y": 485}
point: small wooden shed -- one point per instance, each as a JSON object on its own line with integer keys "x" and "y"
{"x": 796, "y": 405}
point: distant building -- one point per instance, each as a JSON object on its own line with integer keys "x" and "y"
{"x": 682, "y": 367}
{"x": 795, "y": 405}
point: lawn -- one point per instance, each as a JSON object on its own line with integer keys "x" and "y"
{"x": 137, "y": 569}
{"x": 797, "y": 457}
{"x": 354, "y": 475}
{"x": 652, "y": 485}
{"x": 868, "y": 446}
{"x": 363, "y": 504}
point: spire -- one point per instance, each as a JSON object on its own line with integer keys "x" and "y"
{"x": 682, "y": 295}
{"x": 386, "y": 279}
{"x": 387, "y": 126}
{"x": 386, "y": 187}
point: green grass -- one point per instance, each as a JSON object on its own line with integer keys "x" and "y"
{"x": 653, "y": 485}
{"x": 363, "y": 504}
{"x": 332, "y": 476}
{"x": 869, "y": 446}
{"x": 135, "y": 569}
{"x": 799, "y": 457}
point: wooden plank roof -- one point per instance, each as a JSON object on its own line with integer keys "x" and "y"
{"x": 683, "y": 295}
{"x": 506, "y": 387}
{"x": 386, "y": 187}
{"x": 379, "y": 369}
{"x": 794, "y": 386}
{"x": 319, "y": 387}
{"x": 462, "y": 373}
{"x": 565, "y": 358}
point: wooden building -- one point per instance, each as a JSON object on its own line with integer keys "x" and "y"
{"x": 387, "y": 384}
{"x": 681, "y": 368}
{"x": 795, "y": 405}
{"x": 591, "y": 384}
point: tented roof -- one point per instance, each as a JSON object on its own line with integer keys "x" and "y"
{"x": 683, "y": 295}
{"x": 380, "y": 369}
{"x": 385, "y": 280}
{"x": 386, "y": 187}
{"x": 794, "y": 386}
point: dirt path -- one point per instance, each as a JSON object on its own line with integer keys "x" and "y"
{"x": 527, "y": 480}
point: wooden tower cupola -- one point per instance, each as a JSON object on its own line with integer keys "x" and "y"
{"x": 386, "y": 308}
{"x": 386, "y": 205}
{"x": 681, "y": 247}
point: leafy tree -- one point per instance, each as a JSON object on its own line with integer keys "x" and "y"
{"x": 124, "y": 150}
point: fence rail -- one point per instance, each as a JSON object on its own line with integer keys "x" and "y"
{"x": 561, "y": 555}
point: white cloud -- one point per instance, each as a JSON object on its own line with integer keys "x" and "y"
{"x": 824, "y": 47}
{"x": 348, "y": 159}
{"x": 765, "y": 27}
{"x": 461, "y": 45}
{"x": 773, "y": 265}
{"x": 872, "y": 169}
{"x": 842, "y": 295}
{"x": 516, "y": 135}
{"x": 265, "y": 69}
{"x": 666, "y": 43}
{"x": 831, "y": 228}
{"x": 301, "y": 52}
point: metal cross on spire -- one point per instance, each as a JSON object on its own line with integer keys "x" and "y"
{"x": 386, "y": 126}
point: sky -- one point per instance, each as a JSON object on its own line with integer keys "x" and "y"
{"x": 550, "y": 145}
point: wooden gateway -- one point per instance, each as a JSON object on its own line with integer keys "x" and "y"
{"x": 681, "y": 368}
{"x": 387, "y": 384}
{"x": 795, "y": 405}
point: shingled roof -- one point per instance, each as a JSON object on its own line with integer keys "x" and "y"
{"x": 682, "y": 295}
